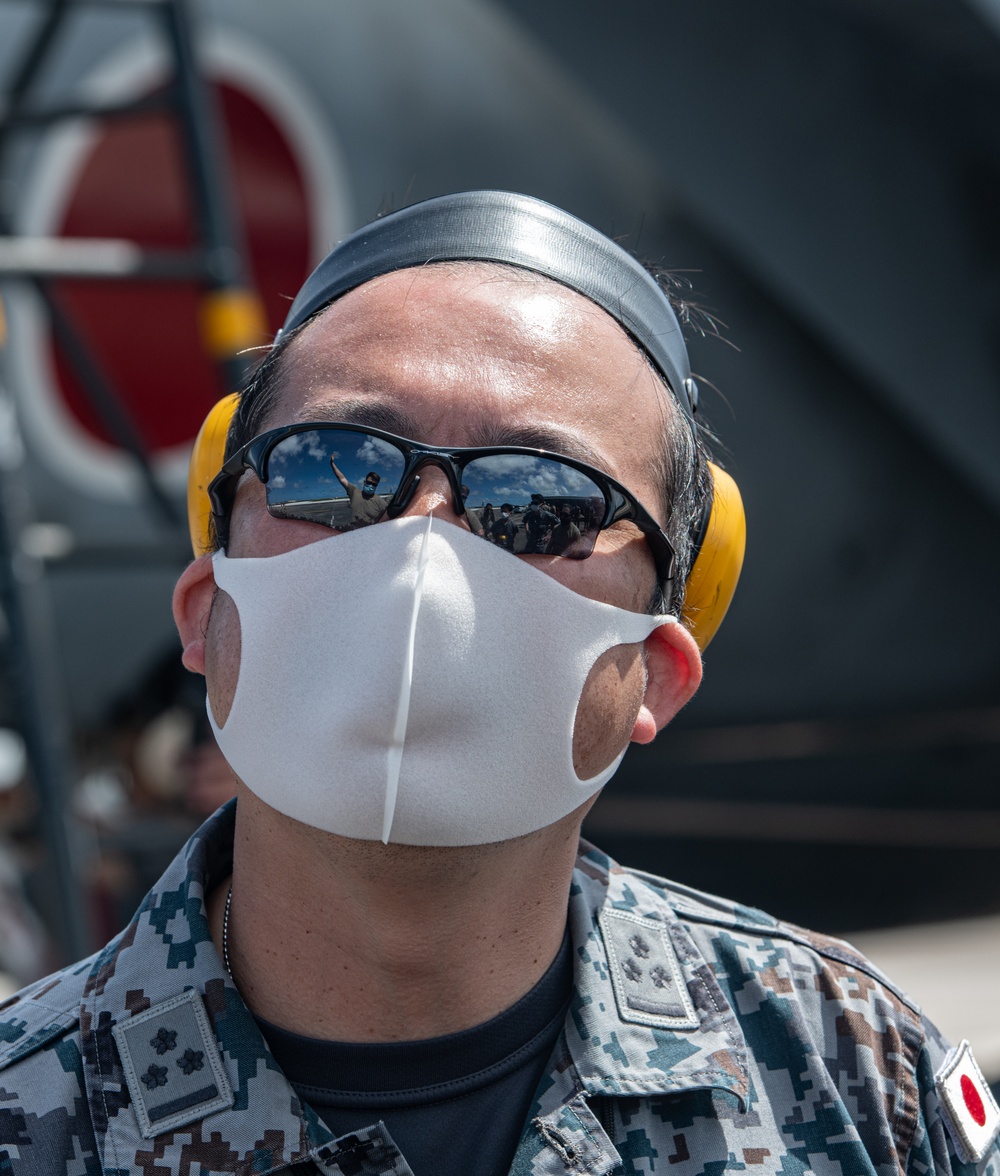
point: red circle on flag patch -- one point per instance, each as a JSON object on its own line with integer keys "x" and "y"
{"x": 973, "y": 1101}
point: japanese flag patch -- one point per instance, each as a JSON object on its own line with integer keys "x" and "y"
{"x": 970, "y": 1110}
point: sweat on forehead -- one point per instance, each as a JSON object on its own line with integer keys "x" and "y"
{"x": 416, "y": 327}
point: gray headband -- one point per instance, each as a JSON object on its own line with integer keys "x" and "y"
{"x": 515, "y": 230}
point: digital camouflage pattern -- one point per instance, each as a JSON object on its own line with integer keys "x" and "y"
{"x": 708, "y": 1039}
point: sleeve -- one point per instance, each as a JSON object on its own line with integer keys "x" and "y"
{"x": 957, "y": 1115}
{"x": 920, "y": 1106}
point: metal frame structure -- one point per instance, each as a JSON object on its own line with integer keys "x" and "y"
{"x": 231, "y": 317}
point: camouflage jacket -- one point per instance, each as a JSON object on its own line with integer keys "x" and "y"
{"x": 703, "y": 1037}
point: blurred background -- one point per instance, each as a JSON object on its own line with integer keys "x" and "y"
{"x": 824, "y": 175}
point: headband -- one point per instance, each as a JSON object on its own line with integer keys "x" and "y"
{"x": 514, "y": 230}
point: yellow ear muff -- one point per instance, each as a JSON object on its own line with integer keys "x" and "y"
{"x": 207, "y": 456}
{"x": 712, "y": 581}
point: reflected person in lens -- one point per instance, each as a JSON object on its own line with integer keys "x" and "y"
{"x": 472, "y": 516}
{"x": 505, "y": 529}
{"x": 564, "y": 534}
{"x": 538, "y": 521}
{"x": 367, "y": 507}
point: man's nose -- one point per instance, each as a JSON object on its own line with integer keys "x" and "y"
{"x": 432, "y": 494}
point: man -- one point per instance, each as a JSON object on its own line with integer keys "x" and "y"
{"x": 393, "y": 955}
{"x": 537, "y": 520}
{"x": 367, "y": 507}
{"x": 564, "y": 534}
{"x": 505, "y": 529}
{"x": 471, "y": 516}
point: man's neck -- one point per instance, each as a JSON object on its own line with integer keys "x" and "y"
{"x": 357, "y": 941}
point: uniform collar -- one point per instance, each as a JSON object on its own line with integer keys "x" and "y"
{"x": 647, "y": 1017}
{"x": 166, "y": 954}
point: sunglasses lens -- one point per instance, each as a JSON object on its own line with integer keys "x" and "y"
{"x": 332, "y": 476}
{"x": 551, "y": 508}
{"x": 525, "y": 504}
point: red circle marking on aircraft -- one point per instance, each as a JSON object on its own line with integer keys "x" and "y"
{"x": 973, "y": 1100}
{"x": 145, "y": 335}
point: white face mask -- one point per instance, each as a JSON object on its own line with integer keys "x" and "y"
{"x": 392, "y": 686}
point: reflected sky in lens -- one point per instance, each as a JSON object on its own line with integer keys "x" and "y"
{"x": 299, "y": 466}
{"x": 514, "y": 477}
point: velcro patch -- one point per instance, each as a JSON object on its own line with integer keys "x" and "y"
{"x": 646, "y": 974}
{"x": 970, "y": 1110}
{"x": 172, "y": 1065}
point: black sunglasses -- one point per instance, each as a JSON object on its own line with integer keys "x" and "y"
{"x": 527, "y": 501}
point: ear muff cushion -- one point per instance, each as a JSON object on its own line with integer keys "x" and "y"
{"x": 207, "y": 456}
{"x": 712, "y": 581}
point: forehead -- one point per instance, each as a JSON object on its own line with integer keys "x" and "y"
{"x": 477, "y": 354}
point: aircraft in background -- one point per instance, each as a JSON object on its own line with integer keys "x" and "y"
{"x": 850, "y": 721}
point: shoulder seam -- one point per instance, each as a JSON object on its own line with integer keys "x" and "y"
{"x": 906, "y": 1119}
{"x": 727, "y": 917}
{"x": 782, "y": 931}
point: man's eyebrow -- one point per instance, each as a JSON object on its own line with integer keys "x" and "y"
{"x": 568, "y": 444}
{"x": 373, "y": 413}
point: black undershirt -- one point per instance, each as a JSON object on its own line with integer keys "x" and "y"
{"x": 454, "y": 1105}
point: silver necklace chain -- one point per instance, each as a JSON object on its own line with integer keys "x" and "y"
{"x": 225, "y": 933}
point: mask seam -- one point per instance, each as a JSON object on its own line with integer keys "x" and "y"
{"x": 395, "y": 756}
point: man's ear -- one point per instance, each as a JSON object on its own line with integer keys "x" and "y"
{"x": 673, "y": 674}
{"x": 192, "y": 604}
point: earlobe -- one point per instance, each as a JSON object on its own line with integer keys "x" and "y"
{"x": 192, "y": 604}
{"x": 673, "y": 674}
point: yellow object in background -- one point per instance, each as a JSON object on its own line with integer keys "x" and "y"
{"x": 232, "y": 319}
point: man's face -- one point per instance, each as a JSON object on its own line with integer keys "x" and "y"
{"x": 470, "y": 355}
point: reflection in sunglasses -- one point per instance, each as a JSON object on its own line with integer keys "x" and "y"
{"x": 345, "y": 480}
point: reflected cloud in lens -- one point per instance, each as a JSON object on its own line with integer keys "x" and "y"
{"x": 377, "y": 452}
{"x": 518, "y": 476}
